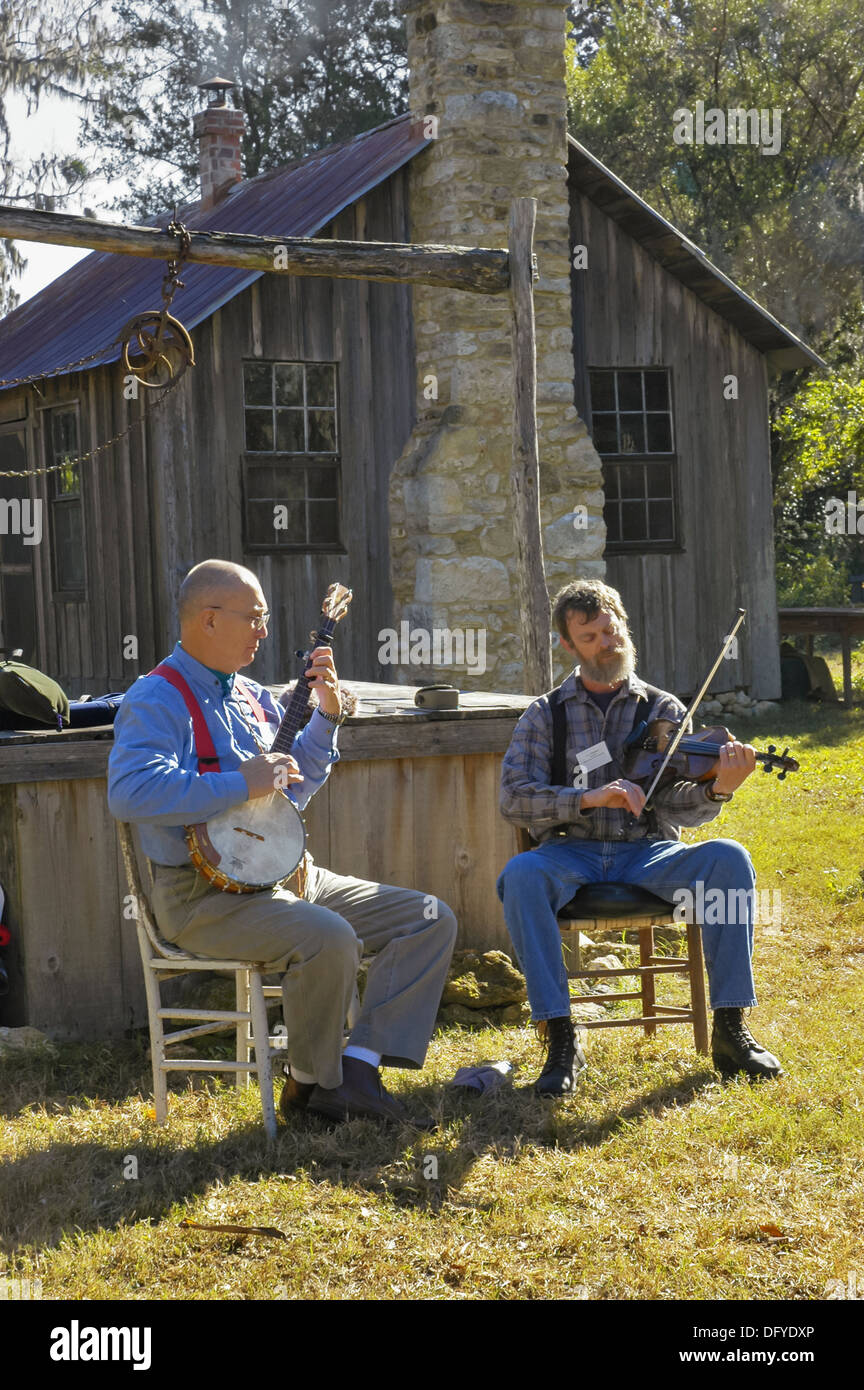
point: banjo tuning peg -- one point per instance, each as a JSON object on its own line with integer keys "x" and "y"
{"x": 772, "y": 747}
{"x": 781, "y": 776}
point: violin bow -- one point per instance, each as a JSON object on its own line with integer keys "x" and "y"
{"x": 694, "y": 704}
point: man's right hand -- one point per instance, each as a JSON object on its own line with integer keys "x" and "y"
{"x": 268, "y": 773}
{"x": 626, "y": 795}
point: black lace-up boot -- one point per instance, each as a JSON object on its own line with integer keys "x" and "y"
{"x": 734, "y": 1048}
{"x": 565, "y": 1060}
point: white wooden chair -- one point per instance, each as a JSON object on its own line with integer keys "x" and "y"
{"x": 161, "y": 960}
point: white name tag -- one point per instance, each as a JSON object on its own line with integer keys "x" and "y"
{"x": 595, "y": 756}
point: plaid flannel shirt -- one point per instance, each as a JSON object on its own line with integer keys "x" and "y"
{"x": 528, "y": 798}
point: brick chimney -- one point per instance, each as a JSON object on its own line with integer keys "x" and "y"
{"x": 491, "y": 73}
{"x": 219, "y": 128}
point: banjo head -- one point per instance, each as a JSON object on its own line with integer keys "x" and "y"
{"x": 256, "y": 845}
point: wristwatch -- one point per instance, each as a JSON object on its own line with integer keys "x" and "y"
{"x": 717, "y": 796}
{"x": 336, "y": 719}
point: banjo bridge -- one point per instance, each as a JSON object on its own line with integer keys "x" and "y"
{"x": 241, "y": 830}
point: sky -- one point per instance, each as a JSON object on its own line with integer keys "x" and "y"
{"x": 52, "y": 129}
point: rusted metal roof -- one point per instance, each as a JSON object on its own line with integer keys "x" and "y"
{"x": 86, "y": 308}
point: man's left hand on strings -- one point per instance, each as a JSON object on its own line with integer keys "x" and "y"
{"x": 324, "y": 680}
{"x": 737, "y": 761}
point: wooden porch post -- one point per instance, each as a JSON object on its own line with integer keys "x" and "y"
{"x": 525, "y": 474}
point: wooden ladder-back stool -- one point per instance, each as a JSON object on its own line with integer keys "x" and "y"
{"x": 161, "y": 960}
{"x": 599, "y": 908}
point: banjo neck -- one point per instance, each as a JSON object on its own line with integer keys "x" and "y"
{"x": 297, "y": 705}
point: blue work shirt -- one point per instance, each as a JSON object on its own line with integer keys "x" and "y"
{"x": 153, "y": 777}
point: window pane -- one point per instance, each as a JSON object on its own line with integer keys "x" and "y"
{"x": 292, "y": 525}
{"x": 660, "y": 521}
{"x": 289, "y": 432}
{"x": 323, "y": 523}
{"x": 320, "y": 384}
{"x": 611, "y": 516}
{"x": 605, "y": 434}
{"x": 659, "y": 478}
{"x": 64, "y": 433}
{"x": 66, "y": 482}
{"x": 290, "y": 483}
{"x": 259, "y": 431}
{"x": 610, "y": 480}
{"x": 289, "y": 383}
{"x": 322, "y": 431}
{"x": 631, "y": 478}
{"x": 259, "y": 522}
{"x": 68, "y": 545}
{"x": 656, "y": 391}
{"x": 633, "y": 521}
{"x": 602, "y": 390}
{"x": 659, "y": 434}
{"x": 632, "y": 434}
{"x": 323, "y": 482}
{"x": 629, "y": 390}
{"x": 257, "y": 383}
{"x": 63, "y": 444}
{"x": 259, "y": 482}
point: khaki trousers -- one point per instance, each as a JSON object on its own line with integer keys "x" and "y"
{"x": 318, "y": 941}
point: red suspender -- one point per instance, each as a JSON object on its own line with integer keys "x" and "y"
{"x": 205, "y": 751}
{"x": 256, "y": 708}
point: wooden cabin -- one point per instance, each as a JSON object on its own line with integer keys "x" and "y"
{"x": 303, "y": 396}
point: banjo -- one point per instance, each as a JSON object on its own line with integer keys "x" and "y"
{"x": 261, "y": 843}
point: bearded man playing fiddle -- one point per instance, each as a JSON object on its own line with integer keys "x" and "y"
{"x": 595, "y": 832}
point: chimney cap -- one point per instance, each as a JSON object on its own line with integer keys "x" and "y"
{"x": 219, "y": 87}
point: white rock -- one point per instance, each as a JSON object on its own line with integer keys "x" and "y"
{"x": 460, "y": 580}
{"x": 23, "y": 1040}
{"x": 767, "y": 706}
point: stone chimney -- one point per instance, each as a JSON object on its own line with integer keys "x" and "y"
{"x": 491, "y": 73}
{"x": 219, "y": 128}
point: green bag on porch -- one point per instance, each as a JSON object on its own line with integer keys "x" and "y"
{"x": 28, "y": 692}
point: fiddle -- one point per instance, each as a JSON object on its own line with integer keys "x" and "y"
{"x": 694, "y": 759}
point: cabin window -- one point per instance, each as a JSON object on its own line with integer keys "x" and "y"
{"x": 632, "y": 428}
{"x": 291, "y": 467}
{"x": 62, "y": 446}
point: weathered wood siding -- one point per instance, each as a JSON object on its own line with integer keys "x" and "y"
{"x": 630, "y": 312}
{"x": 169, "y": 495}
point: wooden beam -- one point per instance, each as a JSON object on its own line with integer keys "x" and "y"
{"x": 451, "y": 267}
{"x": 525, "y": 475}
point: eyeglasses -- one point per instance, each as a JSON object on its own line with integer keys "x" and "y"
{"x": 255, "y": 620}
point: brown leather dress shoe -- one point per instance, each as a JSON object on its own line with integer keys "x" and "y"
{"x": 295, "y": 1096}
{"x": 360, "y": 1097}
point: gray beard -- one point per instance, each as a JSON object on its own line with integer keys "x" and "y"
{"x": 613, "y": 671}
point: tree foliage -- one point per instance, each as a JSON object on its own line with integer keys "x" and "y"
{"x": 45, "y": 51}
{"x": 308, "y": 73}
{"x": 788, "y": 227}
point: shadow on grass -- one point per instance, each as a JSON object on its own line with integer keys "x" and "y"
{"x": 70, "y": 1188}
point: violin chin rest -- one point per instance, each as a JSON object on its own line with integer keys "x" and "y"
{"x": 613, "y": 900}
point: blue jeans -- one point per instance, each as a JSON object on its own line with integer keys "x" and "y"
{"x": 535, "y": 885}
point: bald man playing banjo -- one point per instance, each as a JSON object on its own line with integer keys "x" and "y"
{"x": 316, "y": 938}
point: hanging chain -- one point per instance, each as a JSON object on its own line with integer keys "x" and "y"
{"x": 172, "y": 282}
{"x": 91, "y": 453}
{"x": 170, "y": 285}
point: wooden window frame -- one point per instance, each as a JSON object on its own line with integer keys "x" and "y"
{"x": 644, "y": 546}
{"x": 44, "y": 411}
{"x": 299, "y": 460}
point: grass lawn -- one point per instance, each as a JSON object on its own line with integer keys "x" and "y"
{"x": 655, "y": 1182}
